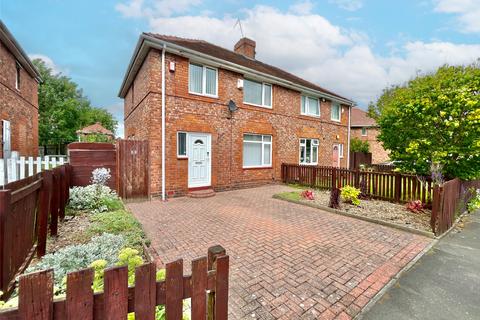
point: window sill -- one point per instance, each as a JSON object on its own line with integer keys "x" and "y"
{"x": 335, "y": 120}
{"x": 182, "y": 158}
{"x": 308, "y": 164}
{"x": 257, "y": 168}
{"x": 257, "y": 105}
{"x": 310, "y": 115}
{"x": 203, "y": 95}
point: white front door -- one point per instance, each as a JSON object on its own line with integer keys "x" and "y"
{"x": 199, "y": 164}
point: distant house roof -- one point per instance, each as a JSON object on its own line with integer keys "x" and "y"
{"x": 7, "y": 39}
{"x": 96, "y": 128}
{"x": 228, "y": 57}
{"x": 360, "y": 118}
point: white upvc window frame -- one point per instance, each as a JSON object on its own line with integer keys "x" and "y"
{"x": 336, "y": 104}
{"x": 204, "y": 80}
{"x": 263, "y": 143}
{"x": 340, "y": 150}
{"x": 263, "y": 105}
{"x": 364, "y": 129}
{"x": 182, "y": 156}
{"x": 303, "y": 144}
{"x": 18, "y": 71}
{"x": 307, "y": 113}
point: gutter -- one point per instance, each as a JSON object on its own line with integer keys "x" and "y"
{"x": 163, "y": 121}
{"x": 216, "y": 62}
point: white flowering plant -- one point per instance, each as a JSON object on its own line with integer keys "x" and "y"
{"x": 100, "y": 176}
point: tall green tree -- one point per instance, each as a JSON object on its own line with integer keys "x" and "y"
{"x": 434, "y": 119}
{"x": 63, "y": 109}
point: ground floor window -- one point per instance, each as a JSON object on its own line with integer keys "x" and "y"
{"x": 308, "y": 151}
{"x": 257, "y": 150}
{"x": 181, "y": 144}
{"x": 340, "y": 150}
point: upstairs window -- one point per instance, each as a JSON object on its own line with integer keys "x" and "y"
{"x": 257, "y": 150}
{"x": 336, "y": 112}
{"x": 364, "y": 131}
{"x": 310, "y": 106}
{"x": 17, "y": 76}
{"x": 202, "y": 80}
{"x": 257, "y": 93}
{"x": 309, "y": 151}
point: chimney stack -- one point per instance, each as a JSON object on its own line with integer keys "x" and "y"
{"x": 245, "y": 47}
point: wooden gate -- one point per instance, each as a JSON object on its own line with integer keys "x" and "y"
{"x": 133, "y": 169}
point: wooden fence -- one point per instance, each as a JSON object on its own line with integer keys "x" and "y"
{"x": 449, "y": 200}
{"x": 17, "y": 168}
{"x": 383, "y": 167}
{"x": 128, "y": 161}
{"x": 207, "y": 287}
{"x": 25, "y": 206}
{"x": 387, "y": 186}
{"x": 360, "y": 158}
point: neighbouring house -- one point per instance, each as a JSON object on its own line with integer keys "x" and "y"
{"x": 18, "y": 98}
{"x": 230, "y": 121}
{"x": 365, "y": 128}
{"x": 95, "y": 133}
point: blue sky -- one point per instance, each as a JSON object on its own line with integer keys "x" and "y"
{"x": 354, "y": 47}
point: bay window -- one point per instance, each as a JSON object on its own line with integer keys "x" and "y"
{"x": 257, "y": 93}
{"x": 310, "y": 106}
{"x": 309, "y": 151}
{"x": 202, "y": 80}
{"x": 257, "y": 150}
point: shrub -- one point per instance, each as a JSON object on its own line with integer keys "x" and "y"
{"x": 474, "y": 203}
{"x": 307, "y": 194}
{"x": 350, "y": 195}
{"x": 95, "y": 198}
{"x": 118, "y": 222}
{"x": 415, "y": 206}
{"x": 334, "y": 198}
{"x": 357, "y": 145}
{"x": 100, "y": 176}
{"x": 76, "y": 257}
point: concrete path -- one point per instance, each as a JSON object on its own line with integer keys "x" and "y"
{"x": 287, "y": 261}
{"x": 443, "y": 284}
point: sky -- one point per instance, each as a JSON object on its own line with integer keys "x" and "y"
{"x": 355, "y": 48}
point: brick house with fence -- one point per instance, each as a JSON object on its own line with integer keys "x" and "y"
{"x": 366, "y": 129}
{"x": 230, "y": 121}
{"x": 18, "y": 98}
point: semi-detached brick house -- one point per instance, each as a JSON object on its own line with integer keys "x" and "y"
{"x": 366, "y": 129}
{"x": 230, "y": 120}
{"x": 18, "y": 98}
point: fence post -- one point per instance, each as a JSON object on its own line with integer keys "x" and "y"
{"x": 54, "y": 203}
{"x": 436, "y": 209}
{"x": 357, "y": 178}
{"x": 5, "y": 197}
{"x": 44, "y": 209}
{"x": 398, "y": 187}
{"x": 334, "y": 178}
{"x": 213, "y": 254}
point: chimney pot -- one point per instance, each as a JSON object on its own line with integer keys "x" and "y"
{"x": 246, "y": 47}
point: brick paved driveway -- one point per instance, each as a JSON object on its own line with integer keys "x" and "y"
{"x": 287, "y": 261}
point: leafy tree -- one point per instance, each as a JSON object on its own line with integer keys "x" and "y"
{"x": 63, "y": 109}
{"x": 357, "y": 145}
{"x": 434, "y": 119}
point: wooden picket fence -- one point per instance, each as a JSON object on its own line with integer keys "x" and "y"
{"x": 207, "y": 287}
{"x": 17, "y": 168}
{"x": 449, "y": 200}
{"x": 387, "y": 186}
{"x": 28, "y": 207}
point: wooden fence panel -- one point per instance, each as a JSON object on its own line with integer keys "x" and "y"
{"x": 133, "y": 168}
{"x": 36, "y": 293}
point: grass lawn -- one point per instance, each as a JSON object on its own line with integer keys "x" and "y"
{"x": 292, "y": 195}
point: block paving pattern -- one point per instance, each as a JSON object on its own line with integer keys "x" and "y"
{"x": 287, "y": 261}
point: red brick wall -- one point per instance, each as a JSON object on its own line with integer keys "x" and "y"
{"x": 20, "y": 107}
{"x": 187, "y": 112}
{"x": 379, "y": 154}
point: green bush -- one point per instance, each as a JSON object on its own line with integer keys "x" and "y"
{"x": 94, "y": 198}
{"x": 474, "y": 203}
{"x": 118, "y": 222}
{"x": 357, "y": 145}
{"x": 350, "y": 195}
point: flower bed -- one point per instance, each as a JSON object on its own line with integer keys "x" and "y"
{"x": 375, "y": 209}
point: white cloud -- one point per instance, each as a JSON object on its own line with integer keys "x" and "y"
{"x": 467, "y": 11}
{"x": 349, "y": 5}
{"x": 312, "y": 47}
{"x": 48, "y": 62}
{"x": 302, "y": 8}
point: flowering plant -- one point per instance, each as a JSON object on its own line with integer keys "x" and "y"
{"x": 415, "y": 206}
{"x": 308, "y": 194}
